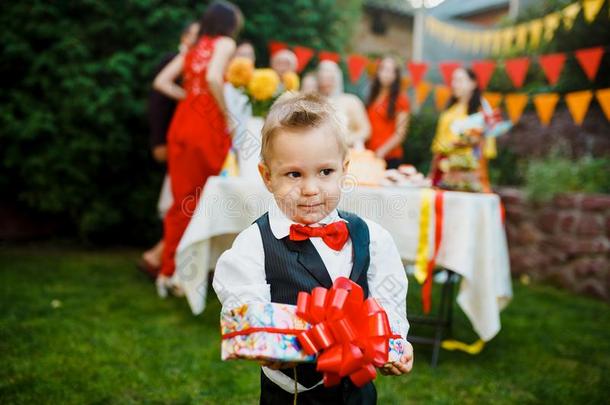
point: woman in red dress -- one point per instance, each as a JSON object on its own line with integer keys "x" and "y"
{"x": 388, "y": 112}
{"x": 198, "y": 138}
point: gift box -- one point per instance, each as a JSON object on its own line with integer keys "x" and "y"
{"x": 263, "y": 331}
{"x": 397, "y": 349}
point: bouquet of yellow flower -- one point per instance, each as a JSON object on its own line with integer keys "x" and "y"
{"x": 262, "y": 86}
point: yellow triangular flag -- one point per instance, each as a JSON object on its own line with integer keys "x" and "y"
{"x": 545, "y": 106}
{"x": 521, "y": 36}
{"x": 494, "y": 99}
{"x": 535, "y": 28}
{"x": 421, "y": 92}
{"x": 591, "y": 9}
{"x": 578, "y": 104}
{"x": 507, "y": 38}
{"x": 569, "y": 15}
{"x": 551, "y": 22}
{"x": 442, "y": 94}
{"x": 603, "y": 98}
{"x": 515, "y": 103}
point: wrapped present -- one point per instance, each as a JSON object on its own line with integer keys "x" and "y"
{"x": 346, "y": 334}
{"x": 397, "y": 348}
{"x": 263, "y": 331}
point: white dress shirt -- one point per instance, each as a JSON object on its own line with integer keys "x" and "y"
{"x": 239, "y": 276}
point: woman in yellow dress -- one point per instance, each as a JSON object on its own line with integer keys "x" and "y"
{"x": 451, "y": 145}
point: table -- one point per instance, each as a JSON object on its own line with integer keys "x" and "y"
{"x": 473, "y": 243}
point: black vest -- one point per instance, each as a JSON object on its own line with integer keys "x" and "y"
{"x": 293, "y": 266}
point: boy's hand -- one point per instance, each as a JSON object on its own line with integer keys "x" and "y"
{"x": 276, "y": 365}
{"x": 403, "y": 366}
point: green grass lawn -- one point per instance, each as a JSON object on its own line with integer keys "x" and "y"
{"x": 111, "y": 340}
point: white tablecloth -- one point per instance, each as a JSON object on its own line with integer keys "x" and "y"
{"x": 473, "y": 240}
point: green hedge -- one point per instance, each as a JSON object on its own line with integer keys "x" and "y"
{"x": 75, "y": 78}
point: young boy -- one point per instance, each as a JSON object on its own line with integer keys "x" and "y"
{"x": 303, "y": 242}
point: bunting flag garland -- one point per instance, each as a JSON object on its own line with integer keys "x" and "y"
{"x": 494, "y": 99}
{"x": 355, "y": 66}
{"x": 421, "y": 92}
{"x": 516, "y": 69}
{"x": 447, "y": 69}
{"x": 484, "y": 70}
{"x": 578, "y": 104}
{"x": 442, "y": 94}
{"x": 275, "y": 46}
{"x": 552, "y": 65}
{"x": 591, "y": 9}
{"x": 304, "y": 55}
{"x": 417, "y": 71}
{"x": 589, "y": 60}
{"x": 603, "y": 98}
{"x": 515, "y": 104}
{"x": 545, "y": 106}
{"x": 496, "y": 41}
{"x": 327, "y": 55}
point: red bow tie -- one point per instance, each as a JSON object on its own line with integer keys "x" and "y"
{"x": 334, "y": 235}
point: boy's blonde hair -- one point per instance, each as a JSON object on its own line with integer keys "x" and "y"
{"x": 298, "y": 112}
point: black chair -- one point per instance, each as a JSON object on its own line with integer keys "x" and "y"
{"x": 441, "y": 322}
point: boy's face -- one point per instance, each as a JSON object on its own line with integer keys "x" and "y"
{"x": 304, "y": 171}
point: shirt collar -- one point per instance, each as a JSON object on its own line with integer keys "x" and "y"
{"x": 280, "y": 223}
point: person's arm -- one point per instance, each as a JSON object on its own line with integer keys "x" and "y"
{"x": 358, "y": 120}
{"x": 400, "y": 134}
{"x": 239, "y": 276}
{"x": 388, "y": 284}
{"x": 223, "y": 50}
{"x": 165, "y": 81}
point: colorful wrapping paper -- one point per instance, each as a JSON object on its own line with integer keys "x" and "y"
{"x": 272, "y": 343}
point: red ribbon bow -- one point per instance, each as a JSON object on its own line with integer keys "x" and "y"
{"x": 351, "y": 333}
{"x": 334, "y": 235}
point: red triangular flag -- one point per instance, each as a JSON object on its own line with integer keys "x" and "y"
{"x": 417, "y": 71}
{"x": 355, "y": 66}
{"x": 275, "y": 46}
{"x": 589, "y": 60}
{"x": 552, "y": 65}
{"x": 484, "y": 70}
{"x": 303, "y": 54}
{"x": 447, "y": 69}
{"x": 327, "y": 55}
{"x": 516, "y": 69}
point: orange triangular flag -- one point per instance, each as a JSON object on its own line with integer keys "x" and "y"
{"x": 442, "y": 94}
{"x": 494, "y": 99}
{"x": 591, "y": 9}
{"x": 578, "y": 104}
{"x": 545, "y": 106}
{"x": 515, "y": 104}
{"x": 603, "y": 98}
{"x": 421, "y": 92}
{"x": 303, "y": 54}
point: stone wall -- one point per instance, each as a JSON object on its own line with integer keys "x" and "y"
{"x": 565, "y": 241}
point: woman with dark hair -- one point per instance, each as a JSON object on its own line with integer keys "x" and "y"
{"x": 198, "y": 138}
{"x": 388, "y": 112}
{"x": 451, "y": 142}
